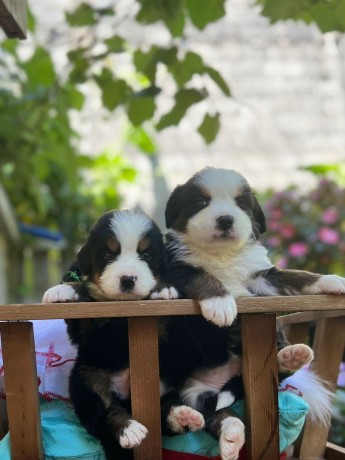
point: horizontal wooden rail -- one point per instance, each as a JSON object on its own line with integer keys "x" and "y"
{"x": 277, "y": 304}
{"x": 308, "y": 316}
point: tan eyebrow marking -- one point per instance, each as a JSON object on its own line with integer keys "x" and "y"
{"x": 113, "y": 245}
{"x": 143, "y": 244}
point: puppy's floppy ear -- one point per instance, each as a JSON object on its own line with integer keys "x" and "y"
{"x": 173, "y": 206}
{"x": 84, "y": 259}
{"x": 259, "y": 216}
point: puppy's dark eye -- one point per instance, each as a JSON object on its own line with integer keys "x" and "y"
{"x": 109, "y": 255}
{"x": 202, "y": 203}
{"x": 145, "y": 256}
{"x": 241, "y": 201}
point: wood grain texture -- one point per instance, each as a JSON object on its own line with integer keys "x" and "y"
{"x": 334, "y": 452}
{"x": 13, "y": 18}
{"x": 297, "y": 333}
{"x": 329, "y": 342}
{"x": 21, "y": 391}
{"x": 145, "y": 390}
{"x": 307, "y": 316}
{"x": 277, "y": 304}
{"x": 260, "y": 369}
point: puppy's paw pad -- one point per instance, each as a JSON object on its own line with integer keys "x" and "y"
{"x": 60, "y": 293}
{"x": 182, "y": 417}
{"x": 328, "y": 284}
{"x": 219, "y": 310}
{"x": 133, "y": 435}
{"x": 231, "y": 439}
{"x": 167, "y": 293}
{"x": 293, "y": 357}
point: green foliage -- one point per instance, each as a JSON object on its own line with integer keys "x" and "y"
{"x": 328, "y": 15}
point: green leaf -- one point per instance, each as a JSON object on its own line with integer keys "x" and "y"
{"x": 202, "y": 12}
{"x": 10, "y": 45}
{"x": 114, "y": 92}
{"x": 146, "y": 63}
{"x": 209, "y": 128}
{"x": 140, "y": 109}
{"x": 218, "y": 79}
{"x": 82, "y": 16}
{"x": 73, "y": 98}
{"x": 142, "y": 140}
{"x": 115, "y": 44}
{"x": 171, "y": 12}
{"x": 40, "y": 69}
{"x": 184, "y": 99}
{"x": 184, "y": 70}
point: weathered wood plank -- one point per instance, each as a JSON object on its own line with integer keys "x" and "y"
{"x": 21, "y": 388}
{"x": 13, "y": 18}
{"x": 260, "y": 370}
{"x": 334, "y": 452}
{"x": 297, "y": 333}
{"x": 166, "y": 307}
{"x": 329, "y": 335}
{"x": 145, "y": 391}
{"x": 307, "y": 316}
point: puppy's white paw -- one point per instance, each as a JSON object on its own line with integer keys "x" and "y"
{"x": 219, "y": 310}
{"x": 293, "y": 357}
{"x": 167, "y": 293}
{"x": 327, "y": 284}
{"x": 133, "y": 435}
{"x": 231, "y": 439}
{"x": 181, "y": 417}
{"x": 60, "y": 293}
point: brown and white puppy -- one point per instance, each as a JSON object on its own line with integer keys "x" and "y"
{"x": 214, "y": 222}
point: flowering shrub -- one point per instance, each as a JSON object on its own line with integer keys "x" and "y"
{"x": 307, "y": 230}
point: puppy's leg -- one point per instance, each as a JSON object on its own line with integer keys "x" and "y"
{"x": 103, "y": 414}
{"x": 276, "y": 281}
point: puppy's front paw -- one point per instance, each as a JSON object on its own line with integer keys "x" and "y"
{"x": 166, "y": 293}
{"x": 133, "y": 435}
{"x": 327, "y": 284}
{"x": 60, "y": 293}
{"x": 219, "y": 310}
{"x": 231, "y": 438}
{"x": 182, "y": 417}
{"x": 293, "y": 357}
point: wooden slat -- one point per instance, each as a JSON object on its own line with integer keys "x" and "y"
{"x": 166, "y": 307}
{"x": 334, "y": 452}
{"x": 145, "y": 391}
{"x": 307, "y": 316}
{"x": 260, "y": 380}
{"x": 329, "y": 342}
{"x": 13, "y": 17}
{"x": 21, "y": 388}
{"x": 297, "y": 333}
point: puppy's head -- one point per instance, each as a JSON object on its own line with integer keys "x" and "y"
{"x": 123, "y": 256}
{"x": 215, "y": 206}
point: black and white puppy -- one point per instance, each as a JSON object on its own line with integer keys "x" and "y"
{"x": 214, "y": 222}
{"x": 123, "y": 258}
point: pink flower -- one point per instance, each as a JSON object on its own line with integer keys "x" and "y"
{"x": 330, "y": 216}
{"x": 276, "y": 214}
{"x": 282, "y": 263}
{"x": 273, "y": 242}
{"x": 273, "y": 225}
{"x": 298, "y": 249}
{"x": 328, "y": 235}
{"x": 288, "y": 231}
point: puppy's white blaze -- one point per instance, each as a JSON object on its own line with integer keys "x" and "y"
{"x": 128, "y": 264}
{"x": 219, "y": 310}
{"x": 133, "y": 435}
{"x": 225, "y": 399}
{"x": 326, "y": 284}
{"x": 315, "y": 393}
{"x": 193, "y": 389}
{"x": 232, "y": 437}
{"x": 128, "y": 228}
{"x": 221, "y": 182}
{"x": 60, "y": 293}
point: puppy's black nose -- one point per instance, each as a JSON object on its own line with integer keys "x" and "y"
{"x": 127, "y": 282}
{"x": 225, "y": 222}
